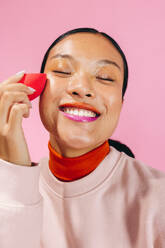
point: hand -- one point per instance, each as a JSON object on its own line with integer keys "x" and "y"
{"x": 14, "y": 105}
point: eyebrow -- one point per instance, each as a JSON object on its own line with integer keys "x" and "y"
{"x": 103, "y": 61}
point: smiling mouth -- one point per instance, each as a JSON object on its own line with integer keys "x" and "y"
{"x": 80, "y": 115}
{"x": 79, "y": 112}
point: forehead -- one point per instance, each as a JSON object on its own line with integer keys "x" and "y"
{"x": 88, "y": 46}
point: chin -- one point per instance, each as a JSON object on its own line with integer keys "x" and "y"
{"x": 76, "y": 141}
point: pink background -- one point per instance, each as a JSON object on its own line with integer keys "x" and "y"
{"x": 28, "y": 28}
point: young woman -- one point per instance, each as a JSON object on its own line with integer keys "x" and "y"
{"x": 89, "y": 193}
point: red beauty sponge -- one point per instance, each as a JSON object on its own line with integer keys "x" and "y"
{"x": 36, "y": 81}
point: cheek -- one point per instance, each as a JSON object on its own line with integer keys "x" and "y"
{"x": 46, "y": 103}
{"x": 113, "y": 110}
{"x": 49, "y": 102}
{"x": 52, "y": 92}
{"x": 47, "y": 112}
{"x": 53, "y": 87}
{"x": 113, "y": 99}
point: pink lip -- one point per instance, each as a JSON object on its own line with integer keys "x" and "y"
{"x": 80, "y": 105}
{"x": 79, "y": 118}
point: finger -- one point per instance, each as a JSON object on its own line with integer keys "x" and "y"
{"x": 14, "y": 78}
{"x": 6, "y": 102}
{"x": 16, "y": 116}
{"x": 16, "y": 87}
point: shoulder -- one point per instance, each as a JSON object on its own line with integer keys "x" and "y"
{"x": 143, "y": 191}
{"x": 141, "y": 169}
{"x": 134, "y": 174}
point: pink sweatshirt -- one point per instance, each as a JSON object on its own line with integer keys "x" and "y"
{"x": 121, "y": 204}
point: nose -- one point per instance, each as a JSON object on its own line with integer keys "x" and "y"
{"x": 81, "y": 86}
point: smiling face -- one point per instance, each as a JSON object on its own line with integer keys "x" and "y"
{"x": 84, "y": 68}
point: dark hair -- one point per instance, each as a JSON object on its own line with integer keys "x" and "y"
{"x": 119, "y": 146}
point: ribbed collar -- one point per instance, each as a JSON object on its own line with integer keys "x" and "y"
{"x": 70, "y": 169}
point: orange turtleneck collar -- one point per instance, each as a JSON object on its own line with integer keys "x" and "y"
{"x": 70, "y": 169}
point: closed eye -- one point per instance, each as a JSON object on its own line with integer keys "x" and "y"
{"x": 106, "y": 79}
{"x": 63, "y": 72}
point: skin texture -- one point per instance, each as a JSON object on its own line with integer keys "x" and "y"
{"x": 70, "y": 138}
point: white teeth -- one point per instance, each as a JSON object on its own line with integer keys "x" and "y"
{"x": 79, "y": 112}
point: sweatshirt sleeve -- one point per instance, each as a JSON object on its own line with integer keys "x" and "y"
{"x": 159, "y": 201}
{"x": 20, "y": 206}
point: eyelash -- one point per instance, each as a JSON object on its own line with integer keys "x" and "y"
{"x": 106, "y": 79}
{"x": 63, "y": 72}
{"x": 68, "y": 73}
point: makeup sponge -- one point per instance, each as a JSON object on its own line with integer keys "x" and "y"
{"x": 36, "y": 81}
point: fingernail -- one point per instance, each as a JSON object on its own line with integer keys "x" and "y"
{"x": 33, "y": 90}
{"x": 20, "y": 73}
